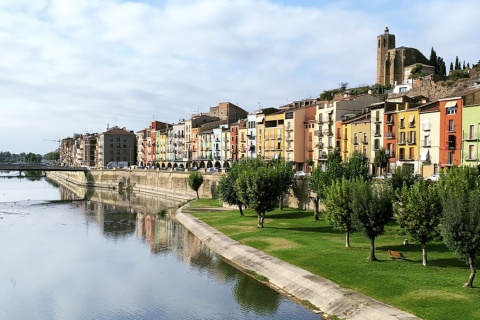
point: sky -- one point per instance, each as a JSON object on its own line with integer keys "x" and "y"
{"x": 80, "y": 66}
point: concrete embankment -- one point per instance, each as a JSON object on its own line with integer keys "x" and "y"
{"x": 174, "y": 184}
{"x": 301, "y": 284}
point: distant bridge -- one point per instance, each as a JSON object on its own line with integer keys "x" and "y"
{"x": 38, "y": 167}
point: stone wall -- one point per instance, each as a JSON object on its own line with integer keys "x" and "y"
{"x": 152, "y": 182}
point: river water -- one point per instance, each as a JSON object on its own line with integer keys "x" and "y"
{"x": 112, "y": 257}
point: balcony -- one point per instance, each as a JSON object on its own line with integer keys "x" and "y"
{"x": 470, "y": 157}
{"x": 402, "y": 142}
{"x": 355, "y": 142}
{"x": 426, "y": 126}
{"x": 389, "y": 135}
{"x": 391, "y": 153}
{"x": 377, "y": 120}
{"x": 329, "y": 133}
{"x": 469, "y": 137}
{"x": 389, "y": 122}
{"x": 318, "y": 133}
{"x": 319, "y": 145}
{"x": 376, "y": 133}
{"x": 411, "y": 141}
{"x": 365, "y": 142}
{"x": 289, "y": 129}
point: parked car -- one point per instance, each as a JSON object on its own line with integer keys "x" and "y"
{"x": 193, "y": 169}
{"x": 300, "y": 173}
{"x": 384, "y": 176}
{"x": 434, "y": 178}
{"x": 213, "y": 169}
{"x": 417, "y": 176}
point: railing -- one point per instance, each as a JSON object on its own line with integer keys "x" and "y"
{"x": 389, "y": 135}
{"x": 470, "y": 137}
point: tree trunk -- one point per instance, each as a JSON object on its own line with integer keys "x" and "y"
{"x": 197, "y": 194}
{"x": 261, "y": 218}
{"x": 280, "y": 203}
{"x": 241, "y": 210}
{"x": 347, "y": 239}
{"x": 372, "y": 250}
{"x": 315, "y": 209}
{"x": 424, "y": 254}
{"x": 473, "y": 271}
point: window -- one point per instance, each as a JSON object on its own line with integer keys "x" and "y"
{"x": 377, "y": 144}
{"x": 451, "y": 125}
{"x": 411, "y": 153}
{"x": 411, "y": 138}
{"x": 427, "y": 141}
{"x": 402, "y": 123}
{"x": 365, "y": 137}
{"x": 471, "y": 132}
{"x": 451, "y": 110}
{"x": 471, "y": 152}
{"x": 355, "y": 139}
{"x": 402, "y": 137}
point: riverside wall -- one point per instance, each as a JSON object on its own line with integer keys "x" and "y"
{"x": 163, "y": 183}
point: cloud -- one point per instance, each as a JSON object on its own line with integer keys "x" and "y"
{"x": 86, "y": 64}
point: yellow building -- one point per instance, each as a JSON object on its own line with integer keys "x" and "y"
{"x": 355, "y": 135}
{"x": 407, "y": 137}
{"x": 242, "y": 141}
{"x": 273, "y": 137}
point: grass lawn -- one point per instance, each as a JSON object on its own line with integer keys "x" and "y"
{"x": 292, "y": 235}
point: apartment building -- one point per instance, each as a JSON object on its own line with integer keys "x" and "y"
{"x": 429, "y": 138}
{"x": 116, "y": 144}
{"x": 242, "y": 140}
{"x": 450, "y": 131}
{"x": 471, "y": 128}
{"x": 329, "y": 113}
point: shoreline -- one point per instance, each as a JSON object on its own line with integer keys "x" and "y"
{"x": 302, "y": 285}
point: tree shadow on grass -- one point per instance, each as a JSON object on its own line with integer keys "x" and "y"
{"x": 290, "y": 215}
{"x": 319, "y": 229}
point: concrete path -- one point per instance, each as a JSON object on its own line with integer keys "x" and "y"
{"x": 330, "y": 298}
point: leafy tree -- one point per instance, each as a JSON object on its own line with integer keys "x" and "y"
{"x": 451, "y": 66}
{"x": 356, "y": 167}
{"x": 442, "y": 69}
{"x": 258, "y": 190}
{"x": 52, "y": 156}
{"x": 195, "y": 180}
{"x": 285, "y": 178}
{"x": 226, "y": 185}
{"x": 320, "y": 180}
{"x": 460, "y": 191}
{"x": 401, "y": 176}
{"x": 381, "y": 159}
{"x": 419, "y": 211}
{"x": 338, "y": 208}
{"x": 457, "y": 63}
{"x": 372, "y": 209}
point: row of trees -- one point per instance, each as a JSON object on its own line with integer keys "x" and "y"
{"x": 448, "y": 210}
{"x": 6, "y": 156}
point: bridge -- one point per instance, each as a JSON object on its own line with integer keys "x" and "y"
{"x": 38, "y": 167}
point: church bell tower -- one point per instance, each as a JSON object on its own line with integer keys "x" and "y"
{"x": 385, "y": 42}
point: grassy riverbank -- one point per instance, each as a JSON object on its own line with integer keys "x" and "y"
{"x": 432, "y": 292}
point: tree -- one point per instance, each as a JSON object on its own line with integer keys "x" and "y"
{"x": 285, "y": 178}
{"x": 401, "y": 175}
{"x": 338, "y": 208}
{"x": 419, "y": 211}
{"x": 381, "y": 159}
{"x": 226, "y": 185}
{"x": 433, "y": 59}
{"x": 320, "y": 180}
{"x": 195, "y": 180}
{"x": 460, "y": 191}
{"x": 356, "y": 167}
{"x": 372, "y": 209}
{"x": 258, "y": 190}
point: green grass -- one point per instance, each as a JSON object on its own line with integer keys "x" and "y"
{"x": 432, "y": 292}
{"x": 206, "y": 203}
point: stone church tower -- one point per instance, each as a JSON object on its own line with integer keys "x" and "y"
{"x": 391, "y": 61}
{"x": 385, "y": 42}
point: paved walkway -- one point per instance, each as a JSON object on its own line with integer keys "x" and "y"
{"x": 301, "y": 284}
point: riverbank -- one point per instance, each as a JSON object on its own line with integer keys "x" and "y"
{"x": 303, "y": 285}
{"x": 163, "y": 183}
{"x": 330, "y": 298}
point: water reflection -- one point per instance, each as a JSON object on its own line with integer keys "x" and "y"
{"x": 210, "y": 289}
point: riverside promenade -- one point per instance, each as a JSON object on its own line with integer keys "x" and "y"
{"x": 330, "y": 298}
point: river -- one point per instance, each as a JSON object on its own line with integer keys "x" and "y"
{"x": 107, "y": 255}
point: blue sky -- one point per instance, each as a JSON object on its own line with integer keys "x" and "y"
{"x": 76, "y": 66}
